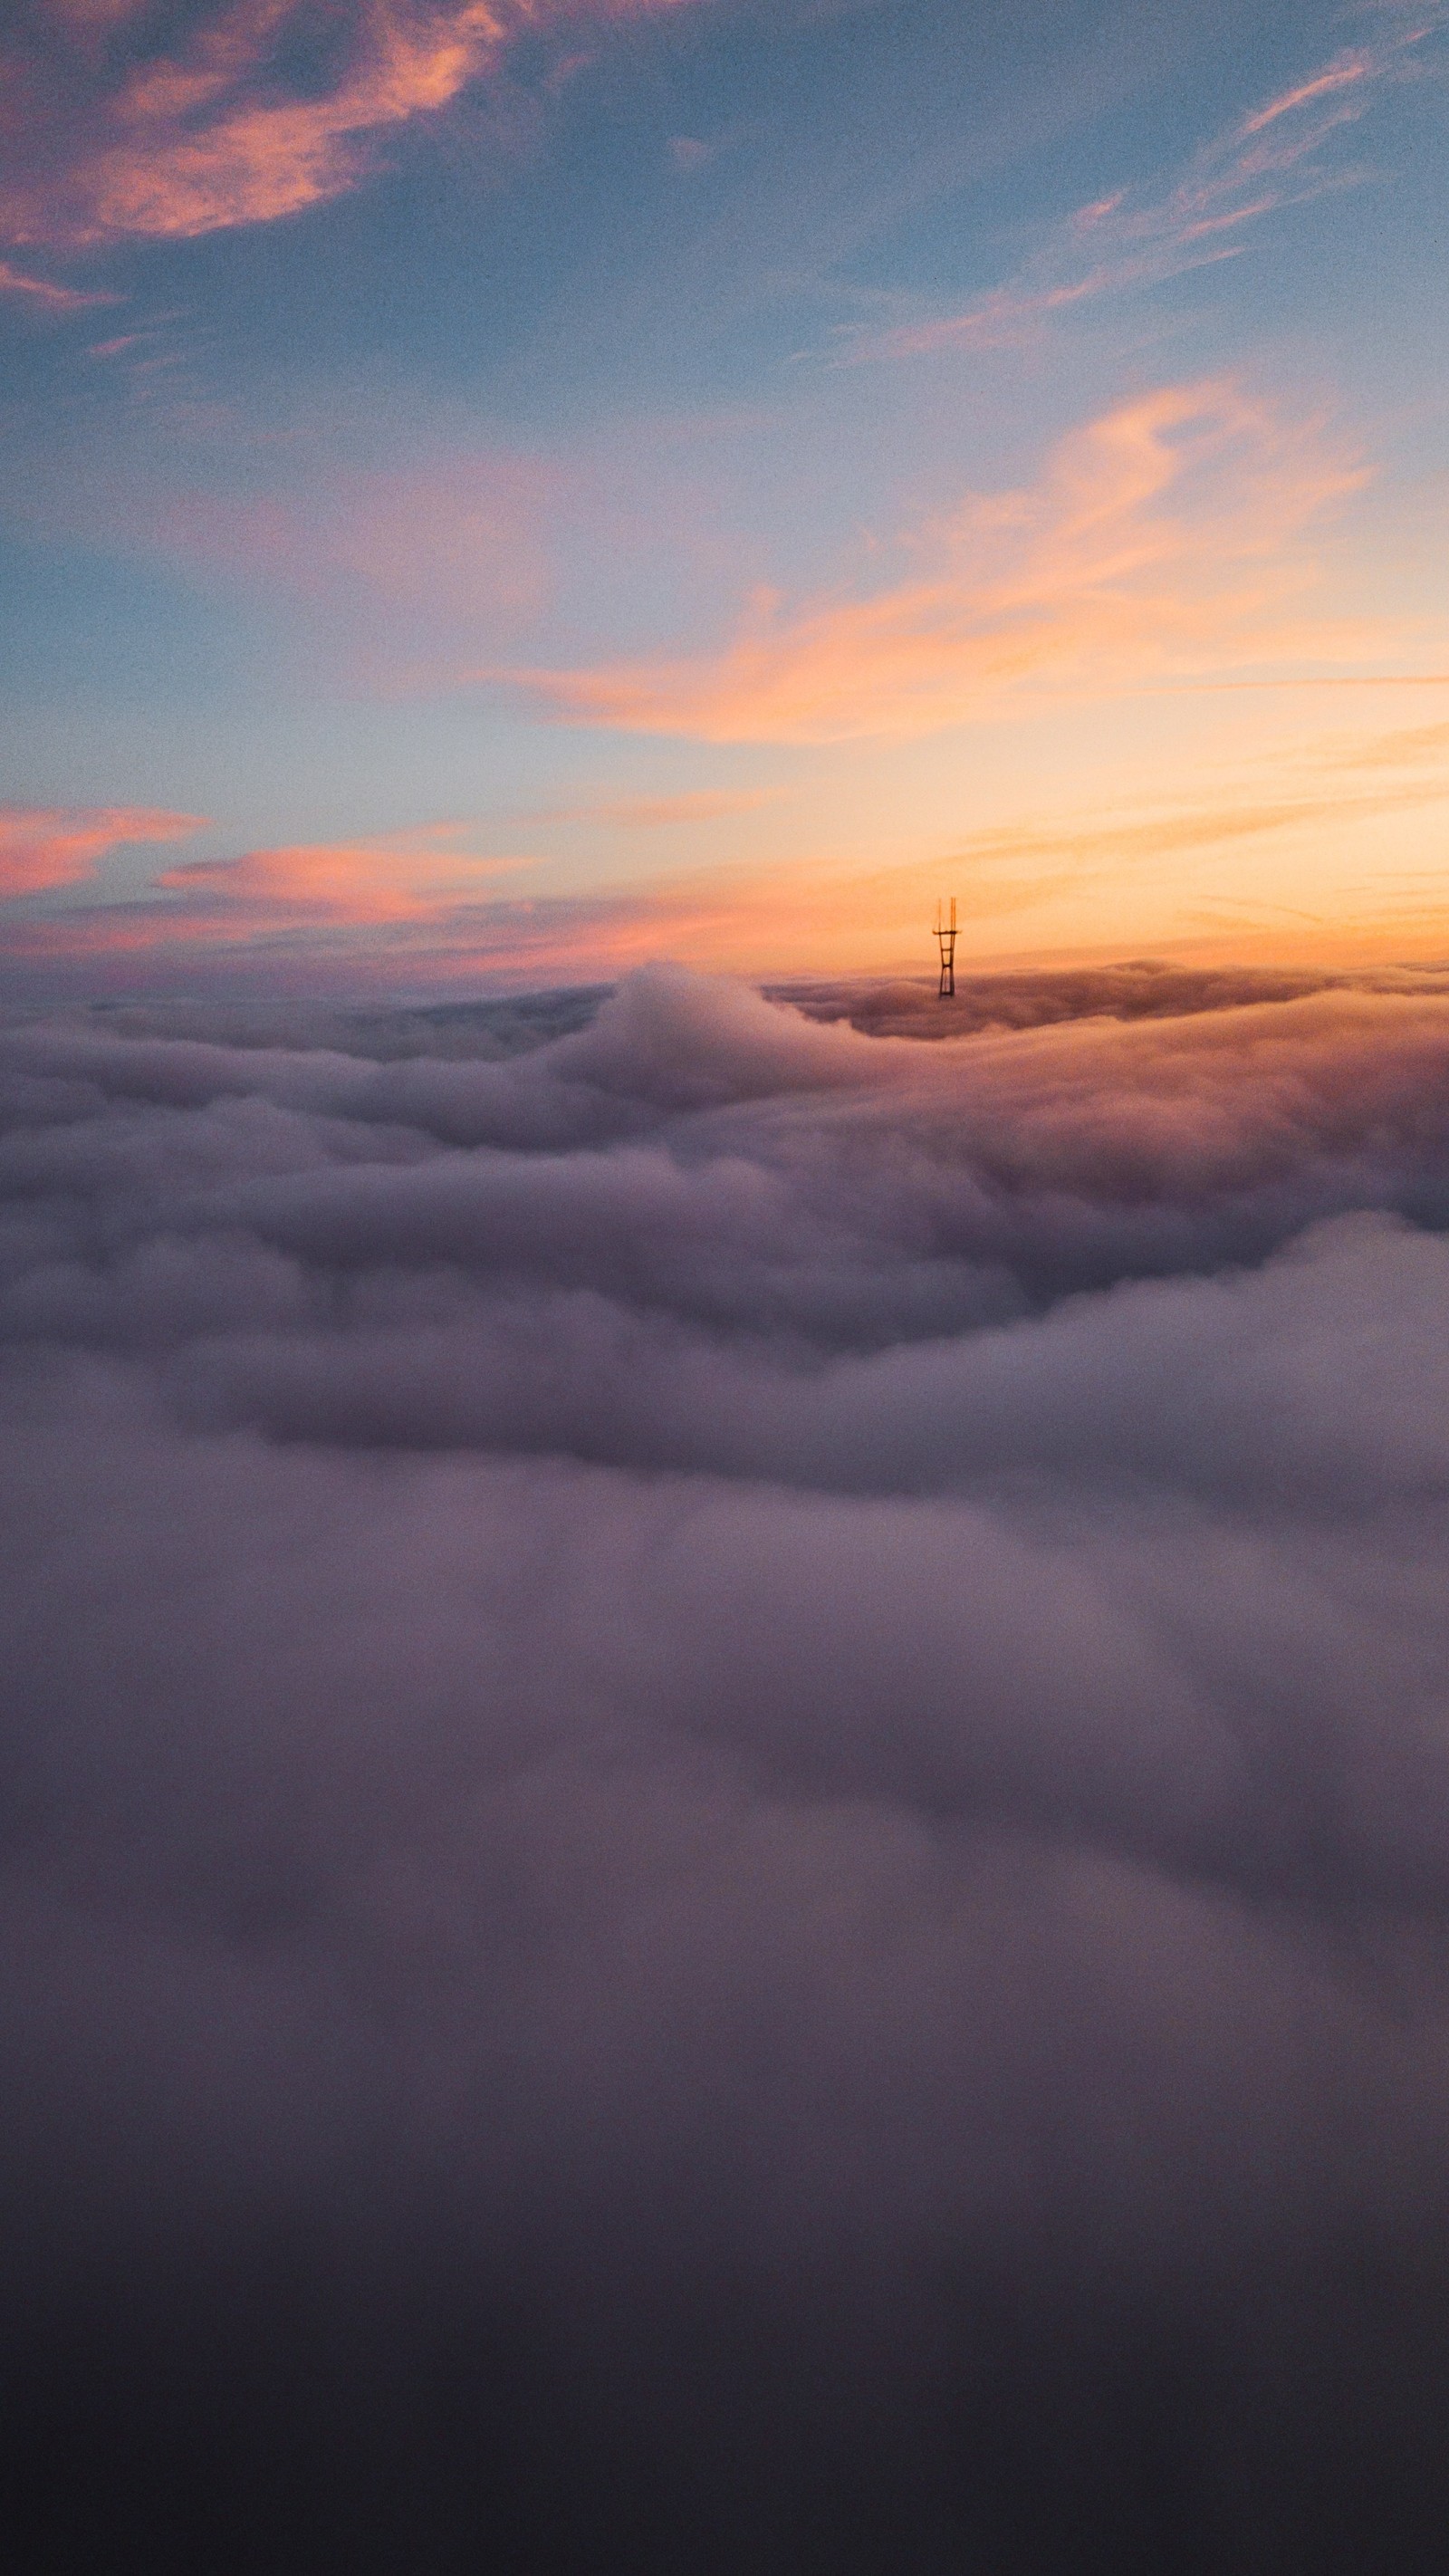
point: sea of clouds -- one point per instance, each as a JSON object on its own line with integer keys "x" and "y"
{"x": 725, "y": 1825}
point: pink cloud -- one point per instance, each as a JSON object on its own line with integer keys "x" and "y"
{"x": 1000, "y": 316}
{"x": 407, "y": 913}
{"x": 210, "y": 135}
{"x": 367, "y": 884}
{"x": 1162, "y": 538}
{"x": 1341, "y": 74}
{"x": 44, "y": 296}
{"x": 47, "y": 846}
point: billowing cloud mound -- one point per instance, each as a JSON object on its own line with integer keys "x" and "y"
{"x": 727, "y": 1803}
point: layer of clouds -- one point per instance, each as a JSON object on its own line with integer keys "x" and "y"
{"x": 727, "y": 1804}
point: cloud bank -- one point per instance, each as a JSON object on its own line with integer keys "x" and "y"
{"x": 726, "y": 1789}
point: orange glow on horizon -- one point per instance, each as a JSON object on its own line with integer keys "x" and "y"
{"x": 1313, "y": 853}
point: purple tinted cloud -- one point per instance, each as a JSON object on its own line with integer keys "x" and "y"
{"x": 726, "y": 1797}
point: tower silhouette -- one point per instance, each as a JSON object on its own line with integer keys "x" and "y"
{"x": 946, "y": 942}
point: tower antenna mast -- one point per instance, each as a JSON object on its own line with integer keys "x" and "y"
{"x": 946, "y": 942}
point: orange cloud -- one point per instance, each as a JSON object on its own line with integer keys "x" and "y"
{"x": 1163, "y": 538}
{"x": 210, "y": 134}
{"x": 46, "y": 846}
{"x": 367, "y": 904}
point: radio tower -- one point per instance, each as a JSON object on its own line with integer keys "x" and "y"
{"x": 946, "y": 942}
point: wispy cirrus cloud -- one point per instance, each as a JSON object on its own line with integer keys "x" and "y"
{"x": 1346, "y": 71}
{"x": 47, "y": 846}
{"x": 257, "y": 110}
{"x": 1166, "y": 537}
{"x": 1276, "y": 156}
{"x": 43, "y": 295}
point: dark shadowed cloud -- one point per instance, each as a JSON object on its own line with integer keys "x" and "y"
{"x": 727, "y": 1803}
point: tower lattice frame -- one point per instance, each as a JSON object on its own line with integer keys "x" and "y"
{"x": 946, "y": 942}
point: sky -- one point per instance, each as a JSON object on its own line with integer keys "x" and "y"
{"x": 724, "y": 1758}
{"x": 500, "y": 490}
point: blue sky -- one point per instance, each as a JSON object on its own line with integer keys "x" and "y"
{"x": 633, "y": 442}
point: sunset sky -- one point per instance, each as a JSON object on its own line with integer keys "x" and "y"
{"x": 498, "y": 490}
{"x": 725, "y": 1774}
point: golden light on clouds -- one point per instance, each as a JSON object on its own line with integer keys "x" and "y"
{"x": 1169, "y": 537}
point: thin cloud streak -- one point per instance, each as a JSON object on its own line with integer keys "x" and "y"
{"x": 1341, "y": 74}
{"x": 44, "y": 296}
